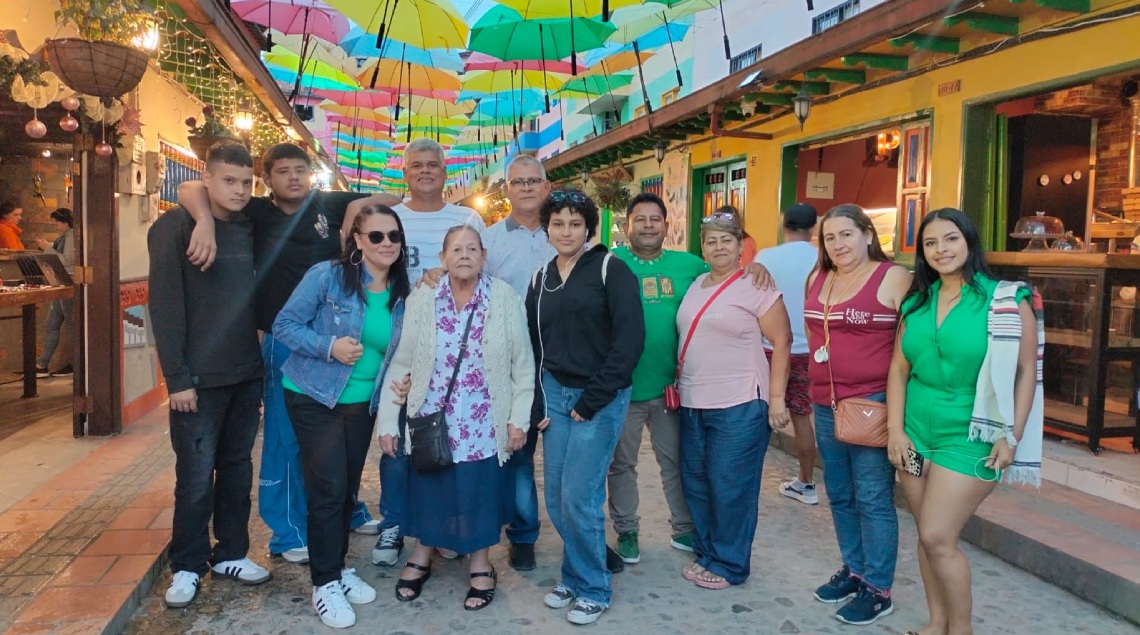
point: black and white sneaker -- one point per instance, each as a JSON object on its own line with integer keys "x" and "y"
{"x": 356, "y": 591}
{"x": 387, "y": 550}
{"x": 245, "y": 571}
{"x": 182, "y": 589}
{"x": 559, "y": 597}
{"x": 332, "y": 606}
{"x": 585, "y": 612}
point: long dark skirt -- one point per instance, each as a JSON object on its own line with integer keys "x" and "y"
{"x": 462, "y": 508}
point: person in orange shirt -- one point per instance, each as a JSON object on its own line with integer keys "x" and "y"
{"x": 10, "y": 215}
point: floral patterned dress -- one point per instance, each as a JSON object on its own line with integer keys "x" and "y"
{"x": 470, "y": 424}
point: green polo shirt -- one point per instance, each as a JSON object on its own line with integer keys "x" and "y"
{"x": 663, "y": 281}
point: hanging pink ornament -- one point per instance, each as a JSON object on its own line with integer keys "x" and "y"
{"x": 69, "y": 123}
{"x": 35, "y": 129}
{"x": 104, "y": 149}
{"x": 70, "y": 103}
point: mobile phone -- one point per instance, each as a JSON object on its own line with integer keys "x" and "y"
{"x": 914, "y": 462}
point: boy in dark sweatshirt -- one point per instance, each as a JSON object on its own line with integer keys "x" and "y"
{"x": 207, "y": 344}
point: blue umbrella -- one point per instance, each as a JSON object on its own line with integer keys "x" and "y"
{"x": 360, "y": 44}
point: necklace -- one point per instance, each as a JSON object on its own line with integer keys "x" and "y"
{"x": 822, "y": 354}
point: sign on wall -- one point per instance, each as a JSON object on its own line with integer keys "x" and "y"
{"x": 675, "y": 191}
{"x": 821, "y": 185}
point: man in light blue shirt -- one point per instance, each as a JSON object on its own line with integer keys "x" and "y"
{"x": 517, "y": 246}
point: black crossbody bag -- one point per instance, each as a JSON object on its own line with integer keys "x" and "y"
{"x": 431, "y": 446}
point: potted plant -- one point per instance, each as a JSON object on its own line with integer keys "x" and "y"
{"x": 611, "y": 194}
{"x": 102, "y": 61}
{"x": 210, "y": 131}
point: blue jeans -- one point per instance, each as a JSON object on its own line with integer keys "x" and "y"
{"x": 722, "y": 457}
{"x": 524, "y": 527}
{"x": 860, "y": 484}
{"x": 281, "y": 486}
{"x": 59, "y": 313}
{"x": 394, "y": 487}
{"x": 576, "y": 458}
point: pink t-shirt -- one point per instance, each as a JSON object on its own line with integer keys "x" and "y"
{"x": 725, "y": 364}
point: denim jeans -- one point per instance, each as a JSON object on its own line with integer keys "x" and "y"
{"x": 59, "y": 313}
{"x": 213, "y": 476}
{"x": 722, "y": 457}
{"x": 334, "y": 444}
{"x": 576, "y": 457}
{"x": 665, "y": 436}
{"x": 524, "y": 526}
{"x": 860, "y": 484}
{"x": 394, "y": 487}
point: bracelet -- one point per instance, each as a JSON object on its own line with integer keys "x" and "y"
{"x": 1011, "y": 440}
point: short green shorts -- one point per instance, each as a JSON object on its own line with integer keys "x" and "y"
{"x": 947, "y": 445}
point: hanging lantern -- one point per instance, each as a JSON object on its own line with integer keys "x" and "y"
{"x": 70, "y": 103}
{"x": 801, "y": 104}
{"x": 659, "y": 151}
{"x": 35, "y": 128}
{"x": 243, "y": 117}
{"x": 104, "y": 149}
{"x": 585, "y": 175}
{"x": 69, "y": 123}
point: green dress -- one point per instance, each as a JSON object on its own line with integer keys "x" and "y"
{"x": 945, "y": 362}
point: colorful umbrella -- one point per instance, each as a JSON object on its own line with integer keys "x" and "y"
{"x": 296, "y": 17}
{"x": 378, "y": 129}
{"x": 484, "y": 62}
{"x": 404, "y": 76}
{"x": 591, "y": 86}
{"x": 622, "y": 60}
{"x": 363, "y": 45}
{"x": 437, "y": 107}
{"x": 546, "y": 9}
{"x": 317, "y": 75}
{"x": 362, "y": 114}
{"x": 369, "y": 99}
{"x": 490, "y": 82}
{"x": 426, "y": 24}
{"x": 504, "y": 33}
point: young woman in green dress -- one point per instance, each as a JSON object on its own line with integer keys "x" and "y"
{"x": 930, "y": 399}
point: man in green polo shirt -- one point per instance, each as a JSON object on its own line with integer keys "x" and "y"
{"x": 664, "y": 276}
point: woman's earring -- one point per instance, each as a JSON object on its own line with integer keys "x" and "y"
{"x": 358, "y": 260}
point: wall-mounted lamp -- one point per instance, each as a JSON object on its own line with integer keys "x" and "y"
{"x": 888, "y": 141}
{"x": 585, "y": 175}
{"x": 801, "y": 103}
{"x": 243, "y": 117}
{"x": 659, "y": 151}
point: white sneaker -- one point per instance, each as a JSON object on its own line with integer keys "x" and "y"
{"x": 370, "y": 528}
{"x": 245, "y": 571}
{"x": 182, "y": 589}
{"x": 387, "y": 550}
{"x": 332, "y": 606}
{"x": 299, "y": 555}
{"x": 356, "y": 590}
{"x": 447, "y": 553}
{"x": 796, "y": 489}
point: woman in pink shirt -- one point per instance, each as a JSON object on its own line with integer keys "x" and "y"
{"x": 728, "y": 397}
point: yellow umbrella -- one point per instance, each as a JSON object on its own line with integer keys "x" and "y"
{"x": 426, "y": 24}
{"x": 290, "y": 63}
{"x": 618, "y": 62}
{"x": 436, "y": 107}
{"x": 426, "y": 120}
{"x": 507, "y": 81}
{"x": 405, "y": 76}
{"x": 547, "y": 9}
{"x": 363, "y": 114}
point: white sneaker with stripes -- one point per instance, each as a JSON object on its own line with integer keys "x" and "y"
{"x": 332, "y": 606}
{"x": 245, "y": 571}
{"x": 183, "y": 588}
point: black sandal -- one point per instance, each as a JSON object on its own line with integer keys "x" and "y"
{"x": 486, "y": 595}
{"x": 416, "y": 586}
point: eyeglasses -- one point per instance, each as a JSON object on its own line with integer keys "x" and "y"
{"x": 573, "y": 196}
{"x": 719, "y": 216}
{"x": 395, "y": 237}
{"x": 531, "y": 182}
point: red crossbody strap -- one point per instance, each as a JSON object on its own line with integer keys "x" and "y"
{"x": 696, "y": 320}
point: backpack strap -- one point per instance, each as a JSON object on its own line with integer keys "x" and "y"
{"x": 606, "y": 266}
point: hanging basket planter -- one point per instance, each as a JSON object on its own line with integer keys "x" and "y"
{"x": 98, "y": 68}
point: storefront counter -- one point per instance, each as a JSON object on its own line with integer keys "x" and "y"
{"x": 1092, "y": 339}
{"x": 27, "y": 300}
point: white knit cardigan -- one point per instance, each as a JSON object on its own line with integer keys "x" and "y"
{"x": 508, "y": 362}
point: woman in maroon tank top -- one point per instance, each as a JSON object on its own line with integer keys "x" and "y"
{"x": 850, "y": 310}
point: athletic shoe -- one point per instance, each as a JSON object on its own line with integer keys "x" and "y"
{"x": 867, "y": 607}
{"x": 370, "y": 528}
{"x": 559, "y": 597}
{"x": 332, "y": 606}
{"x": 245, "y": 571}
{"x": 796, "y": 489}
{"x": 300, "y": 555}
{"x": 522, "y": 556}
{"x": 684, "y": 542}
{"x": 182, "y": 589}
{"x": 42, "y": 372}
{"x": 447, "y": 554}
{"x": 585, "y": 612}
{"x": 613, "y": 561}
{"x": 387, "y": 550}
{"x": 627, "y": 547}
{"x": 356, "y": 590}
{"x": 64, "y": 371}
{"x": 840, "y": 587}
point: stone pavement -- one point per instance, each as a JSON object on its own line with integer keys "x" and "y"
{"x": 794, "y": 551}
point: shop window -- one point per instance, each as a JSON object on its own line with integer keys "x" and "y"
{"x": 639, "y": 112}
{"x": 653, "y": 185}
{"x": 179, "y": 165}
{"x": 831, "y": 17}
{"x": 745, "y": 59}
{"x": 671, "y": 96}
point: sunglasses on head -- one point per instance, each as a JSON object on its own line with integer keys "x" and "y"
{"x": 719, "y": 216}
{"x": 574, "y": 196}
{"x": 376, "y": 237}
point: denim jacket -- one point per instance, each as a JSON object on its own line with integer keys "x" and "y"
{"x": 320, "y": 311}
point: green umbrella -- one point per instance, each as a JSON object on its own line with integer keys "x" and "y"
{"x": 590, "y": 86}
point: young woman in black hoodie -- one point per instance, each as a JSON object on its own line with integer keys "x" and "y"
{"x": 587, "y": 329}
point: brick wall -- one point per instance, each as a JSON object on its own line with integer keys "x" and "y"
{"x": 1100, "y": 100}
{"x": 17, "y": 180}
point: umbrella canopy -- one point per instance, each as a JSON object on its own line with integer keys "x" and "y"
{"x": 623, "y": 60}
{"x": 436, "y": 107}
{"x": 490, "y": 82}
{"x": 362, "y": 114}
{"x": 504, "y": 33}
{"x": 392, "y": 74}
{"x": 360, "y": 44}
{"x": 546, "y": 9}
{"x": 426, "y": 24}
{"x": 591, "y": 86}
{"x": 484, "y": 62}
{"x": 312, "y": 49}
{"x": 651, "y": 29}
{"x": 369, "y": 99}
{"x": 527, "y": 101}
{"x": 299, "y": 17}
{"x": 378, "y": 129}
{"x": 290, "y": 66}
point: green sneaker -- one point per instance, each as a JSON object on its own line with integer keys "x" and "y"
{"x": 684, "y": 542}
{"x": 627, "y": 547}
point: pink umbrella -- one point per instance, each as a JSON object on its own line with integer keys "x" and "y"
{"x": 360, "y": 123}
{"x": 366, "y": 99}
{"x": 295, "y": 17}
{"x": 484, "y": 62}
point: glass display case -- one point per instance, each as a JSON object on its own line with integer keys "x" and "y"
{"x": 1092, "y": 339}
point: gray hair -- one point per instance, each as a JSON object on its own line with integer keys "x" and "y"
{"x": 460, "y": 228}
{"x": 526, "y": 159}
{"x": 721, "y": 225}
{"x": 424, "y": 144}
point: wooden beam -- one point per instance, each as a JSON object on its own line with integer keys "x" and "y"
{"x": 1070, "y": 6}
{"x": 813, "y": 88}
{"x": 986, "y": 22}
{"x": 931, "y": 43}
{"x": 842, "y": 75}
{"x": 776, "y": 99}
{"x": 877, "y": 61}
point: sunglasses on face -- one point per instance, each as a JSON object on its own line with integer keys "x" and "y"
{"x": 376, "y": 237}
{"x": 719, "y": 216}
{"x": 573, "y": 196}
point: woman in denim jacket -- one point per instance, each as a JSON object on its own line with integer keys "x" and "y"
{"x": 343, "y": 324}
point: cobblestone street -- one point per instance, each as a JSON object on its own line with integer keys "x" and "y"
{"x": 794, "y": 551}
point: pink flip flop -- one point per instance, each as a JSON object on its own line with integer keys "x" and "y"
{"x": 715, "y": 585}
{"x": 692, "y": 571}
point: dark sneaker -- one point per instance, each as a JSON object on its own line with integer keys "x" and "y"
{"x": 613, "y": 561}
{"x": 522, "y": 556}
{"x": 585, "y": 612}
{"x": 387, "y": 550}
{"x": 42, "y": 372}
{"x": 840, "y": 587}
{"x": 867, "y": 607}
{"x": 559, "y": 597}
{"x": 628, "y": 548}
{"x": 684, "y": 542}
{"x": 64, "y": 371}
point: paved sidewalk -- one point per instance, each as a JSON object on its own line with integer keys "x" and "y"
{"x": 794, "y": 551}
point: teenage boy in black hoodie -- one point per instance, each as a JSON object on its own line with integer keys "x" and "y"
{"x": 587, "y": 329}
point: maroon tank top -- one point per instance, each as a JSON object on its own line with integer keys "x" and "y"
{"x": 862, "y": 340}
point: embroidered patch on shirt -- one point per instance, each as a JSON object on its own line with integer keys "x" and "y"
{"x": 666, "y": 286}
{"x": 322, "y": 226}
{"x": 649, "y": 287}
